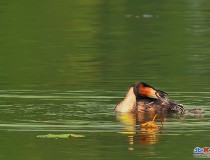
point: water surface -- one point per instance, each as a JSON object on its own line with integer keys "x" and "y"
{"x": 65, "y": 65}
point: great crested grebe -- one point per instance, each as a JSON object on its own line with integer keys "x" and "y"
{"x": 142, "y": 97}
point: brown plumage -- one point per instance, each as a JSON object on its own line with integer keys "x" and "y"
{"x": 142, "y": 97}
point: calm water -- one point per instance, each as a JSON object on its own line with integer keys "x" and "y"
{"x": 64, "y": 65}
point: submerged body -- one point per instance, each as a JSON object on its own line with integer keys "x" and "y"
{"x": 142, "y": 97}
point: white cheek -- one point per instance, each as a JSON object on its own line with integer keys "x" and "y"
{"x": 153, "y": 95}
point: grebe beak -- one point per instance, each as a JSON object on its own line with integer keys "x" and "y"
{"x": 144, "y": 90}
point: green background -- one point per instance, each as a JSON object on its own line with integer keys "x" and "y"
{"x": 65, "y": 64}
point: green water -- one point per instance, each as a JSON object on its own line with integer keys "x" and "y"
{"x": 64, "y": 65}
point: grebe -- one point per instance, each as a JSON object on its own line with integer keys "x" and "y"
{"x": 142, "y": 97}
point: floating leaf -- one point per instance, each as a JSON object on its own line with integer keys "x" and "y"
{"x": 56, "y": 136}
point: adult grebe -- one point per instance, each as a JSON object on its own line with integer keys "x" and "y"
{"x": 142, "y": 97}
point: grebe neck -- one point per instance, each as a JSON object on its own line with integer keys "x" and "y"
{"x": 128, "y": 104}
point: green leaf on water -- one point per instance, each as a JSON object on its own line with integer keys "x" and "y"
{"x": 60, "y": 136}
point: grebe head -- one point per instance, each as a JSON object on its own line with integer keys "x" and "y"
{"x": 143, "y": 97}
{"x": 143, "y": 90}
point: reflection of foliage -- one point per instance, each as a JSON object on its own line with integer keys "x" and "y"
{"x": 83, "y": 44}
